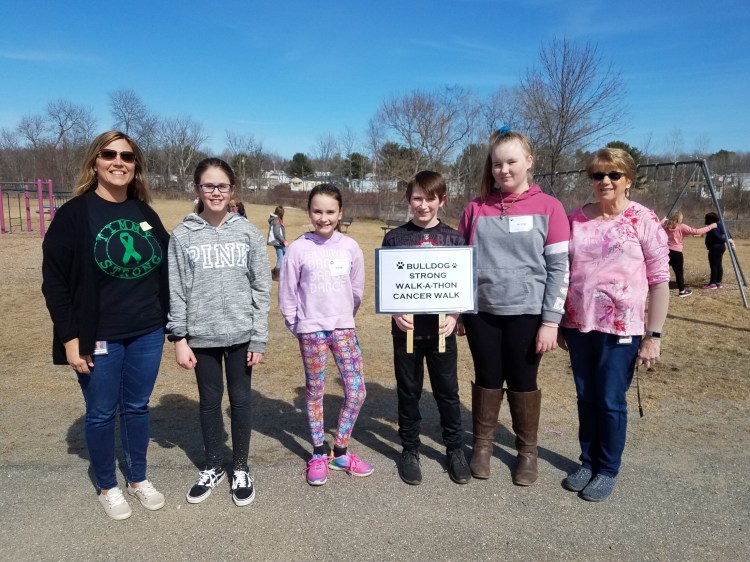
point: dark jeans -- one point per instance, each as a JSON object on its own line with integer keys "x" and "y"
{"x": 677, "y": 261}
{"x": 603, "y": 371}
{"x": 504, "y": 350}
{"x": 715, "y": 257}
{"x": 123, "y": 379}
{"x": 208, "y": 373}
{"x": 409, "y": 368}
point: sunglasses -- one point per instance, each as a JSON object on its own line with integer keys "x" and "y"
{"x": 108, "y": 154}
{"x": 209, "y": 187}
{"x": 599, "y": 176}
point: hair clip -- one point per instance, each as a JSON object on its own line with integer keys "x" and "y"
{"x": 503, "y": 129}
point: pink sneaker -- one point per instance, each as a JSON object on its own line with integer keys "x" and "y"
{"x": 317, "y": 470}
{"x": 351, "y": 464}
{"x": 710, "y": 286}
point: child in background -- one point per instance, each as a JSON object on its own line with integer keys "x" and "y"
{"x": 676, "y": 231}
{"x": 220, "y": 286}
{"x": 716, "y": 241}
{"x": 277, "y": 238}
{"x": 426, "y": 194}
{"x": 320, "y": 289}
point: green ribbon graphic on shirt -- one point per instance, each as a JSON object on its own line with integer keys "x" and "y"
{"x": 127, "y": 242}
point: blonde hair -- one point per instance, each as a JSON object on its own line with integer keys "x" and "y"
{"x": 497, "y": 138}
{"x": 673, "y": 220}
{"x": 87, "y": 180}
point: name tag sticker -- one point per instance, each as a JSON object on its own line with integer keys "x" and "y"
{"x": 145, "y": 227}
{"x": 338, "y": 267}
{"x": 521, "y": 223}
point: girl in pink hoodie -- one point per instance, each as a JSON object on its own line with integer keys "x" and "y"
{"x": 321, "y": 284}
{"x": 676, "y": 231}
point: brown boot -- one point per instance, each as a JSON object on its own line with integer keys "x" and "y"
{"x": 524, "y": 411}
{"x": 485, "y": 407}
{"x": 275, "y": 274}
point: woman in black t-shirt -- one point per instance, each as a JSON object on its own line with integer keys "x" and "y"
{"x": 105, "y": 285}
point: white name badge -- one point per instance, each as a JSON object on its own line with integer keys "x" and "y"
{"x": 338, "y": 267}
{"x": 145, "y": 227}
{"x": 521, "y": 223}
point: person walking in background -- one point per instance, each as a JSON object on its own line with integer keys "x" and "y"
{"x": 220, "y": 294}
{"x": 521, "y": 235}
{"x": 426, "y": 194}
{"x": 676, "y": 231}
{"x": 277, "y": 238}
{"x": 320, "y": 290}
{"x": 104, "y": 280}
{"x": 618, "y": 258}
{"x": 716, "y": 244}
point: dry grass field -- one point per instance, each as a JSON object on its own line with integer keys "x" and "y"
{"x": 683, "y": 496}
{"x": 701, "y": 385}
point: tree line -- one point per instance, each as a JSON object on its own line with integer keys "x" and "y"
{"x": 569, "y": 102}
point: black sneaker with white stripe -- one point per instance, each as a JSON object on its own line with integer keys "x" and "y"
{"x": 243, "y": 491}
{"x": 207, "y": 481}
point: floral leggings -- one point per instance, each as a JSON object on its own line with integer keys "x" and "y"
{"x": 345, "y": 347}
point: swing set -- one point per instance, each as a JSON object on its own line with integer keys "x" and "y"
{"x": 573, "y": 189}
{"x": 16, "y": 205}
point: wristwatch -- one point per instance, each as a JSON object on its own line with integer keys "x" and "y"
{"x": 173, "y": 338}
{"x": 655, "y": 335}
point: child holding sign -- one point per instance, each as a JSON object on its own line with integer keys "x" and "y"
{"x": 425, "y": 194}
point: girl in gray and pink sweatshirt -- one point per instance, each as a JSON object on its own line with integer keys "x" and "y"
{"x": 320, "y": 289}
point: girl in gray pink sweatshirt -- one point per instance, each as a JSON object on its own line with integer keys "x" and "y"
{"x": 320, "y": 289}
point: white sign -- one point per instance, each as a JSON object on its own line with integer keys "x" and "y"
{"x": 425, "y": 280}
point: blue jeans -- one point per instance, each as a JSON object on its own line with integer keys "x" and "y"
{"x": 124, "y": 379}
{"x": 603, "y": 371}
{"x": 280, "y": 251}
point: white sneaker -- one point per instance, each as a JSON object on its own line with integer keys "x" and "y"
{"x": 149, "y": 496}
{"x": 114, "y": 504}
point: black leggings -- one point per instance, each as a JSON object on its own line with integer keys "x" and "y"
{"x": 715, "y": 257}
{"x": 208, "y": 373}
{"x": 677, "y": 260}
{"x": 504, "y": 350}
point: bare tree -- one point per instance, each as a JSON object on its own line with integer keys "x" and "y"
{"x": 700, "y": 148}
{"x": 572, "y": 99}
{"x": 71, "y": 127}
{"x": 431, "y": 125}
{"x": 503, "y": 108}
{"x": 69, "y": 123}
{"x": 326, "y": 148}
{"x": 33, "y": 130}
{"x": 181, "y": 140}
{"x": 127, "y": 109}
{"x": 347, "y": 142}
{"x": 674, "y": 143}
{"x": 247, "y": 156}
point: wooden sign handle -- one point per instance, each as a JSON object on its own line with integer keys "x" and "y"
{"x": 410, "y": 336}
{"x": 441, "y": 338}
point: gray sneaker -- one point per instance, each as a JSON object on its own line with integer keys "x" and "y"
{"x": 599, "y": 489}
{"x": 577, "y": 481}
{"x": 114, "y": 504}
{"x": 149, "y": 496}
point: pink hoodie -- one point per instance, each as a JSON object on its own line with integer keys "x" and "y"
{"x": 676, "y": 235}
{"x": 321, "y": 283}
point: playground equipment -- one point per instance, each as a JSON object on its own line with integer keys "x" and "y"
{"x": 16, "y": 205}
{"x": 573, "y": 188}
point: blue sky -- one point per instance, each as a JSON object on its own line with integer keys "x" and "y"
{"x": 289, "y": 72}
